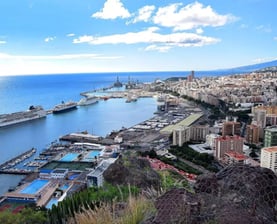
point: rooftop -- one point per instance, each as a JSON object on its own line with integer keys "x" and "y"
{"x": 271, "y": 149}
{"x": 186, "y": 122}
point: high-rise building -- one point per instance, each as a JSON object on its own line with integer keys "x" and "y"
{"x": 259, "y": 115}
{"x": 252, "y": 134}
{"x": 271, "y": 119}
{"x": 270, "y": 136}
{"x": 191, "y": 77}
{"x": 230, "y": 127}
{"x": 268, "y": 109}
{"x": 269, "y": 158}
{"x": 199, "y": 132}
{"x": 228, "y": 143}
{"x": 181, "y": 135}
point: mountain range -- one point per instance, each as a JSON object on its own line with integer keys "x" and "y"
{"x": 265, "y": 66}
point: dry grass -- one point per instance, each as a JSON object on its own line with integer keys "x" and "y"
{"x": 135, "y": 210}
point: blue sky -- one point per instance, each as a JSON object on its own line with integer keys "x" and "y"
{"x": 62, "y": 36}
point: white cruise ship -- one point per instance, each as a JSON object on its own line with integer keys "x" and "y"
{"x": 88, "y": 100}
{"x": 63, "y": 107}
{"x": 34, "y": 112}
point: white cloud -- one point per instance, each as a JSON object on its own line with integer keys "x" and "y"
{"x": 4, "y": 56}
{"x": 70, "y": 35}
{"x": 47, "y": 64}
{"x": 150, "y": 36}
{"x": 112, "y": 9}
{"x": 56, "y": 57}
{"x": 144, "y": 14}
{"x": 261, "y": 60}
{"x": 243, "y": 26}
{"x": 199, "y": 30}
{"x": 48, "y": 39}
{"x": 263, "y": 28}
{"x": 154, "y": 47}
{"x": 191, "y": 16}
{"x": 3, "y": 42}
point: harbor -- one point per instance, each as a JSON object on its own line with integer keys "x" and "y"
{"x": 99, "y": 119}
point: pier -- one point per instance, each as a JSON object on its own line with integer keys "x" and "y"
{"x": 139, "y": 93}
{"x": 8, "y": 167}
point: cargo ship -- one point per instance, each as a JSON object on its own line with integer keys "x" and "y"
{"x": 88, "y": 100}
{"x": 34, "y": 112}
{"x": 64, "y": 107}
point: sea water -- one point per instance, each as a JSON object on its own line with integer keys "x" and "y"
{"x": 17, "y": 93}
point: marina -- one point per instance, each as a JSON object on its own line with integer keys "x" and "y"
{"x": 9, "y": 166}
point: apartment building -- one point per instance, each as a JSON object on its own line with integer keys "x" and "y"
{"x": 225, "y": 144}
{"x": 269, "y": 158}
{"x": 230, "y": 127}
{"x": 252, "y": 134}
{"x": 198, "y": 133}
{"x": 270, "y": 136}
{"x": 181, "y": 135}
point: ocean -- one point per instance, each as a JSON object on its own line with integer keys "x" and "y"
{"x": 17, "y": 93}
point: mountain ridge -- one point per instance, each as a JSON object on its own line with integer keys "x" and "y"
{"x": 252, "y": 68}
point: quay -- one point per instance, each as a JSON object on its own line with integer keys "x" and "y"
{"x": 80, "y": 137}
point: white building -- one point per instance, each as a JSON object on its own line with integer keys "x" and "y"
{"x": 210, "y": 140}
{"x": 59, "y": 173}
{"x": 95, "y": 178}
{"x": 269, "y": 158}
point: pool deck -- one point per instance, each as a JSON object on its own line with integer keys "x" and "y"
{"x": 41, "y": 197}
{"x": 47, "y": 193}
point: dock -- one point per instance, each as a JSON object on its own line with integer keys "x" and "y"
{"x": 139, "y": 93}
{"x": 16, "y": 171}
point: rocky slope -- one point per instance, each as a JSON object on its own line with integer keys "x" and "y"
{"x": 133, "y": 171}
{"x": 237, "y": 194}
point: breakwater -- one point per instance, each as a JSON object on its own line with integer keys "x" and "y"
{"x": 9, "y": 166}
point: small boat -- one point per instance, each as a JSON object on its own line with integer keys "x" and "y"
{"x": 63, "y": 107}
{"x": 132, "y": 98}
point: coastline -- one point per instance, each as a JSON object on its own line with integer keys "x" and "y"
{"x": 132, "y": 115}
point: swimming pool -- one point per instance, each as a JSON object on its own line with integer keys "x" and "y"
{"x": 91, "y": 156}
{"x": 53, "y": 201}
{"x": 64, "y": 187}
{"x": 34, "y": 186}
{"x": 70, "y": 157}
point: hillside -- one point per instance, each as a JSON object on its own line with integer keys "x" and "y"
{"x": 254, "y": 67}
{"x": 250, "y": 68}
